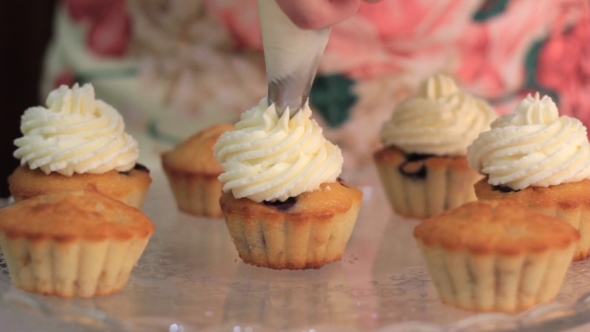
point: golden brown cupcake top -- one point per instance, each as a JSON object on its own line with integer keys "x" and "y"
{"x": 394, "y": 156}
{"x": 196, "y": 153}
{"x": 487, "y": 227}
{"x": 72, "y": 215}
{"x": 566, "y": 195}
{"x": 25, "y": 183}
{"x": 330, "y": 199}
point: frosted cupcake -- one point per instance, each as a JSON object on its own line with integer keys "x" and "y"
{"x": 283, "y": 203}
{"x": 423, "y": 165}
{"x": 77, "y": 142}
{"x": 538, "y": 158}
{"x": 496, "y": 255}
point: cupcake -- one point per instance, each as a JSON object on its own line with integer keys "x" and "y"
{"x": 423, "y": 165}
{"x": 540, "y": 159}
{"x": 192, "y": 172}
{"x": 77, "y": 142}
{"x": 496, "y": 255}
{"x": 284, "y": 205}
{"x": 72, "y": 243}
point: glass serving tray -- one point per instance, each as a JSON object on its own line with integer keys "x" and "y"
{"x": 190, "y": 278}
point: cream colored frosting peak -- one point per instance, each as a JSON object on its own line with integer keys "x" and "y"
{"x": 75, "y": 134}
{"x": 441, "y": 120}
{"x": 534, "y": 146}
{"x": 531, "y": 110}
{"x": 438, "y": 86}
{"x": 269, "y": 158}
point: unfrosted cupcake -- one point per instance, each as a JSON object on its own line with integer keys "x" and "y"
{"x": 422, "y": 166}
{"x": 538, "y": 158}
{"x": 77, "y": 142}
{"x": 72, "y": 243}
{"x": 496, "y": 255}
{"x": 283, "y": 203}
{"x": 192, "y": 172}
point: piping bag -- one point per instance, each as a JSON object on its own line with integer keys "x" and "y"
{"x": 291, "y": 57}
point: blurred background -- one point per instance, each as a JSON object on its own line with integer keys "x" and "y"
{"x": 23, "y": 41}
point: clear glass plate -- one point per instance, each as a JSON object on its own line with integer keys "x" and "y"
{"x": 190, "y": 278}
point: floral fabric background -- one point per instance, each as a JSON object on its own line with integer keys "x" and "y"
{"x": 208, "y": 56}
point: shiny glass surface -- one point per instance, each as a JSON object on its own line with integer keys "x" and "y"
{"x": 190, "y": 278}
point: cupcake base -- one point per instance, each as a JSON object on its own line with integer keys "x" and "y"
{"x": 420, "y": 186}
{"x": 307, "y": 231}
{"x": 569, "y": 202}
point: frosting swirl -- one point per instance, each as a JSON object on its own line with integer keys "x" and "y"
{"x": 440, "y": 120}
{"x": 534, "y": 146}
{"x": 75, "y": 134}
{"x": 269, "y": 158}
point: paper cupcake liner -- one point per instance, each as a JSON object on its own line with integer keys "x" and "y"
{"x": 496, "y": 282}
{"x": 71, "y": 268}
{"x": 445, "y": 186}
{"x": 195, "y": 193}
{"x": 291, "y": 242}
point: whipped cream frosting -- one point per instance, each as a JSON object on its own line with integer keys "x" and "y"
{"x": 534, "y": 146}
{"x": 441, "y": 119}
{"x": 269, "y": 158}
{"x": 75, "y": 134}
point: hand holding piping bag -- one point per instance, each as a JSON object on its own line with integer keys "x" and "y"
{"x": 294, "y": 35}
{"x": 318, "y": 14}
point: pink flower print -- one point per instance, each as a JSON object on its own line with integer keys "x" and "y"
{"x": 87, "y": 10}
{"x": 109, "y": 25}
{"x": 240, "y": 18}
{"x": 397, "y": 36}
{"x": 355, "y": 48}
{"x": 64, "y": 77}
{"x": 475, "y": 69}
{"x": 400, "y": 20}
{"x": 564, "y": 61}
{"x": 492, "y": 53}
